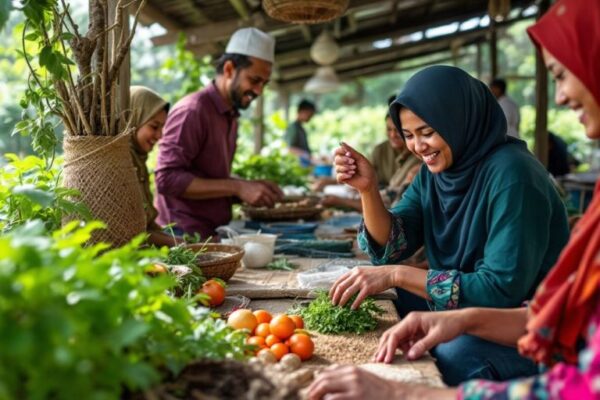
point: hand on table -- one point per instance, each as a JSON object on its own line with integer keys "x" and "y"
{"x": 365, "y": 281}
{"x": 350, "y": 382}
{"x": 260, "y": 193}
{"x": 418, "y": 332}
{"x": 352, "y": 168}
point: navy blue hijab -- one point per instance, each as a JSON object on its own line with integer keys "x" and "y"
{"x": 466, "y": 114}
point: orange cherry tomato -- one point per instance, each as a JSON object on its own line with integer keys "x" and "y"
{"x": 262, "y": 329}
{"x": 280, "y": 350}
{"x": 262, "y": 316}
{"x": 256, "y": 341}
{"x": 271, "y": 340}
{"x": 298, "y": 321}
{"x": 282, "y": 326}
{"x": 302, "y": 345}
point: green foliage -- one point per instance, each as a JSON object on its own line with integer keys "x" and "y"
{"x": 186, "y": 69}
{"x": 44, "y": 51}
{"x": 87, "y": 320}
{"x": 284, "y": 169}
{"x": 563, "y": 123}
{"x": 282, "y": 264}
{"x": 362, "y": 129}
{"x": 29, "y": 189}
{"x": 5, "y": 7}
{"x": 322, "y": 316}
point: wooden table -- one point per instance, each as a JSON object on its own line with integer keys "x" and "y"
{"x": 277, "y": 291}
{"x": 262, "y": 283}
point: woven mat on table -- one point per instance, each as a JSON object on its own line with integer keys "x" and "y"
{"x": 358, "y": 349}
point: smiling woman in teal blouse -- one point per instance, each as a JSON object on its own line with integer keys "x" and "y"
{"x": 484, "y": 208}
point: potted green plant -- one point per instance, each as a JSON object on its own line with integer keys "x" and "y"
{"x": 76, "y": 76}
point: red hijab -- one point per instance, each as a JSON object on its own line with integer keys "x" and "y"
{"x": 565, "y": 300}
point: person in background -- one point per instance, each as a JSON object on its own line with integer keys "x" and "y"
{"x": 560, "y": 161}
{"x": 296, "y": 136}
{"x": 477, "y": 206}
{"x": 392, "y": 159}
{"x": 148, "y": 116}
{"x": 510, "y": 108}
{"x": 193, "y": 175}
{"x": 560, "y": 329}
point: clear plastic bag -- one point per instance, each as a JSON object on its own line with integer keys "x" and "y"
{"x": 323, "y": 276}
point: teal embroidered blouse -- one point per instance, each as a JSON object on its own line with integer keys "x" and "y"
{"x": 517, "y": 230}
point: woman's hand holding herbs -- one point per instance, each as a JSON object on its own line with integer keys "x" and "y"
{"x": 353, "y": 169}
{"x": 365, "y": 281}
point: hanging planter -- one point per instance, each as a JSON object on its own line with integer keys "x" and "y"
{"x": 100, "y": 168}
{"x": 306, "y": 11}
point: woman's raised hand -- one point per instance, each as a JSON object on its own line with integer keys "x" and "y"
{"x": 352, "y": 168}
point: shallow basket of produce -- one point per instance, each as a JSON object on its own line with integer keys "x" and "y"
{"x": 218, "y": 260}
{"x": 288, "y": 209}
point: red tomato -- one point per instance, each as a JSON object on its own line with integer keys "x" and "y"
{"x": 215, "y": 291}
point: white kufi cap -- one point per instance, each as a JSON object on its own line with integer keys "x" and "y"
{"x": 252, "y": 42}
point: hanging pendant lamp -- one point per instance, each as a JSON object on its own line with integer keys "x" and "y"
{"x": 323, "y": 81}
{"x": 324, "y": 51}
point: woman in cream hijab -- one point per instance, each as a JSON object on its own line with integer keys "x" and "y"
{"x": 149, "y": 114}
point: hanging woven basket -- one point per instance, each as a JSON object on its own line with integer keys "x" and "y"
{"x": 306, "y": 11}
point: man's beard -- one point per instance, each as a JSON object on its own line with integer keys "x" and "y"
{"x": 237, "y": 96}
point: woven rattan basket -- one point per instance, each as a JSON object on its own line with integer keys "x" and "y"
{"x": 305, "y": 11}
{"x": 224, "y": 265}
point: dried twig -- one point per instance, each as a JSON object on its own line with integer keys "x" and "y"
{"x": 124, "y": 47}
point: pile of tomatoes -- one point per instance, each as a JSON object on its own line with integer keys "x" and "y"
{"x": 280, "y": 334}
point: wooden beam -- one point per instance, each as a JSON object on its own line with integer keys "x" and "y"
{"x": 305, "y": 32}
{"x": 259, "y": 125}
{"x": 337, "y": 28}
{"x": 373, "y": 70}
{"x": 218, "y": 30}
{"x": 382, "y": 55}
{"x": 404, "y": 26}
{"x": 151, "y": 14}
{"x": 241, "y": 8}
{"x": 493, "y": 49}
{"x": 394, "y": 12}
{"x": 352, "y": 25}
{"x": 479, "y": 61}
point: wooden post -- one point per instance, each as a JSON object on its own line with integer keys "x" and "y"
{"x": 125, "y": 71}
{"x": 479, "y": 61}
{"x": 259, "y": 125}
{"x": 540, "y": 147}
{"x": 493, "y": 49}
{"x": 284, "y": 100}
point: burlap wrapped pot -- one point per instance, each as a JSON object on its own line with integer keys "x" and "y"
{"x": 100, "y": 167}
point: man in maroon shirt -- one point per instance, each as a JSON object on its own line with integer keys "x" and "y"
{"x": 195, "y": 189}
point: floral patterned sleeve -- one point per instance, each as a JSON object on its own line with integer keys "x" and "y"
{"x": 563, "y": 381}
{"x": 443, "y": 286}
{"x": 394, "y": 249}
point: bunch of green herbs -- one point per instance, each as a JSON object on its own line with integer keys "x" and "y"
{"x": 322, "y": 316}
{"x": 282, "y": 264}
